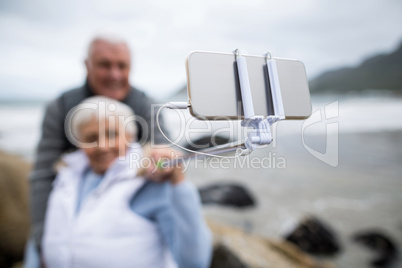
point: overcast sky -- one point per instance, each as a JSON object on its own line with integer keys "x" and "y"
{"x": 43, "y": 42}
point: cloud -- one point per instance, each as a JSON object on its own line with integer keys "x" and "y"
{"x": 46, "y": 41}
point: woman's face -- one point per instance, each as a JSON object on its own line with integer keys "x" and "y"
{"x": 109, "y": 142}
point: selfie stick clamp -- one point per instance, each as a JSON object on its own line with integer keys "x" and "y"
{"x": 261, "y": 124}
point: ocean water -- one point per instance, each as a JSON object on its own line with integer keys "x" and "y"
{"x": 20, "y": 128}
{"x": 296, "y": 175}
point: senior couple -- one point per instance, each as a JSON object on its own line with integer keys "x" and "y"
{"x": 99, "y": 209}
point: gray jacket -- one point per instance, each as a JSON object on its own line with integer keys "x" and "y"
{"x": 53, "y": 144}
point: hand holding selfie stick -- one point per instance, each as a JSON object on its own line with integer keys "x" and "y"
{"x": 261, "y": 124}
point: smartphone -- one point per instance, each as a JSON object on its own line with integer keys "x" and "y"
{"x": 214, "y": 90}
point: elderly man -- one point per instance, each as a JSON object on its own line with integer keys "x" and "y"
{"x": 108, "y": 67}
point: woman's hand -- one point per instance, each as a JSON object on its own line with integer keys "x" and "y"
{"x": 161, "y": 165}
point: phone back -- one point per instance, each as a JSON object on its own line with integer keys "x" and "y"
{"x": 214, "y": 90}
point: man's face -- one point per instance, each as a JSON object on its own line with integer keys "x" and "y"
{"x": 110, "y": 143}
{"x": 108, "y": 69}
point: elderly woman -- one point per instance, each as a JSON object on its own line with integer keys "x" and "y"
{"x": 101, "y": 213}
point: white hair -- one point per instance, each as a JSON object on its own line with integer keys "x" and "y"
{"x": 100, "y": 107}
{"x": 110, "y": 38}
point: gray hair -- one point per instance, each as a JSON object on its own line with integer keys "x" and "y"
{"x": 110, "y": 38}
{"x": 99, "y": 107}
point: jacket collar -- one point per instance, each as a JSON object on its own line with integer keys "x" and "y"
{"x": 89, "y": 92}
{"x": 121, "y": 169}
{"x": 76, "y": 161}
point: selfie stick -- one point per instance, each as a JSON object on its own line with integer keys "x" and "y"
{"x": 261, "y": 124}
